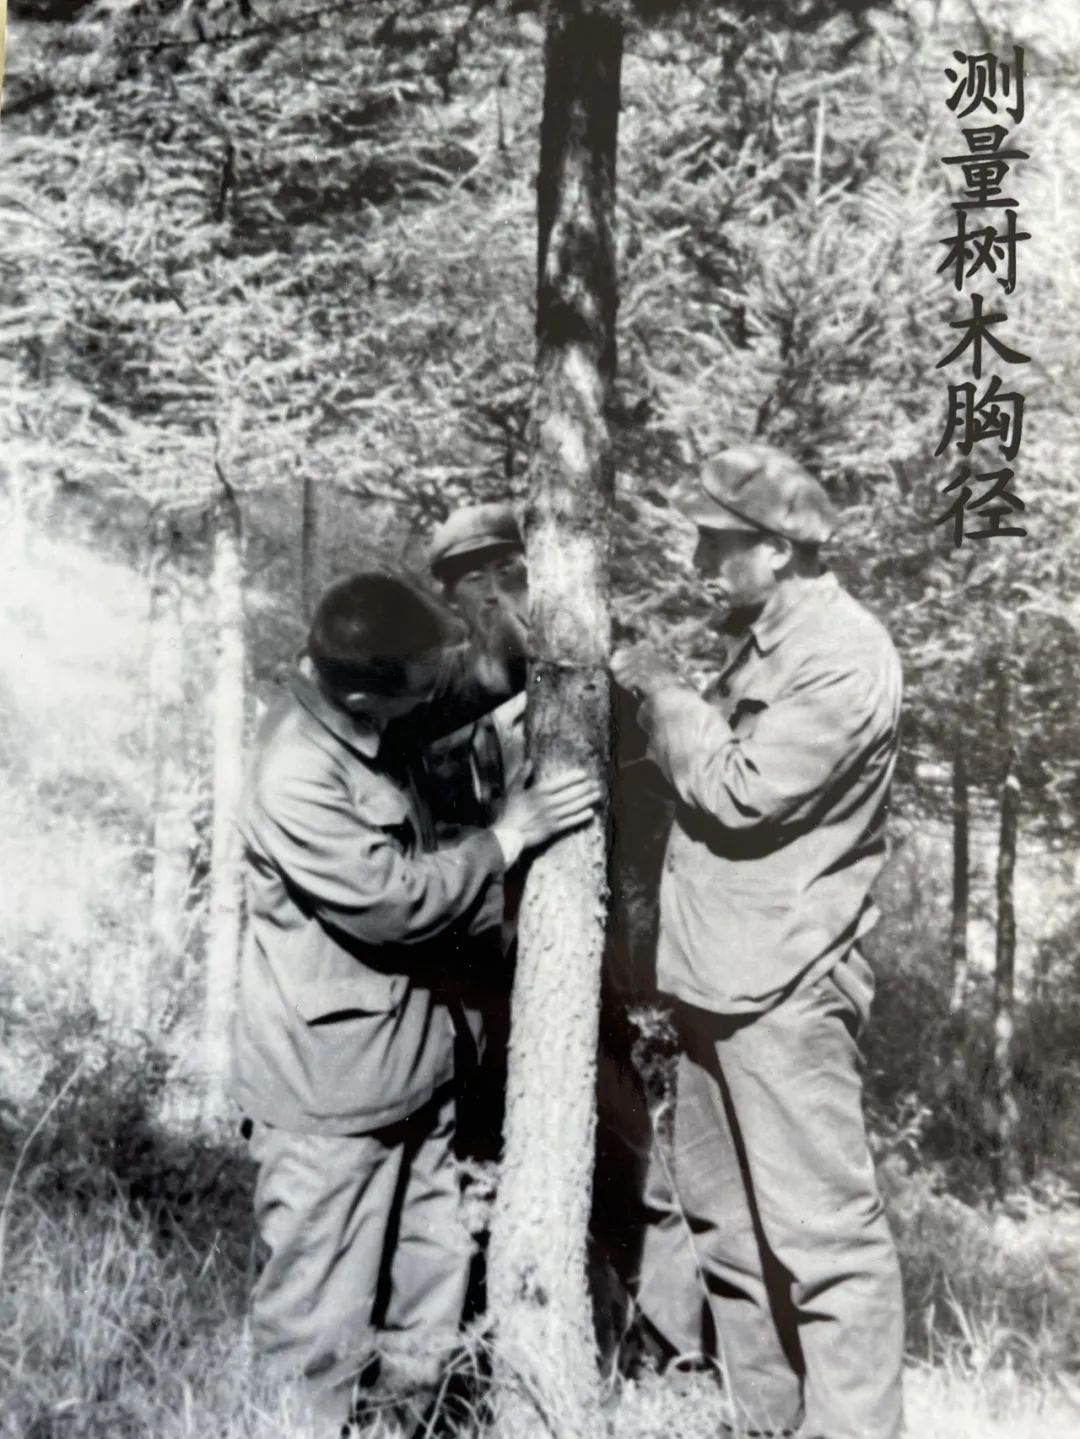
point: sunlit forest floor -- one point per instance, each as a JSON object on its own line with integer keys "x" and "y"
{"x": 125, "y": 1247}
{"x": 118, "y": 1326}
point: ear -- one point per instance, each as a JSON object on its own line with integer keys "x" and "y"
{"x": 783, "y": 552}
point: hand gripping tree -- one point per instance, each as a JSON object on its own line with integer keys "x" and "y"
{"x": 546, "y": 1364}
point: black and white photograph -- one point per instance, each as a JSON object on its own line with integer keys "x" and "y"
{"x": 539, "y": 719}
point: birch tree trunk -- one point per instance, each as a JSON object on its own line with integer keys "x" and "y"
{"x": 961, "y": 879}
{"x": 1007, "y": 1162}
{"x": 546, "y": 1365}
{"x": 173, "y": 821}
{"x": 226, "y": 855}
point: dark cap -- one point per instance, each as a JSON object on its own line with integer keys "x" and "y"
{"x": 758, "y": 487}
{"x": 468, "y": 530}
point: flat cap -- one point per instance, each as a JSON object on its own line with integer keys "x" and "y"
{"x": 758, "y": 487}
{"x": 474, "y": 527}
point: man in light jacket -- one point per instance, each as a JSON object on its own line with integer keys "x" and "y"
{"x": 775, "y": 1240}
{"x": 346, "y": 1021}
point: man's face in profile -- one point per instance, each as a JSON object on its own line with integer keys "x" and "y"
{"x": 738, "y": 568}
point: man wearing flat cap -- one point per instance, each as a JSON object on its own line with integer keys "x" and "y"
{"x": 776, "y": 1244}
{"x": 477, "y": 555}
{"x": 346, "y": 1027}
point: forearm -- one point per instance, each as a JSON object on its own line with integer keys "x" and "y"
{"x": 800, "y": 745}
{"x": 695, "y": 749}
{"x": 473, "y": 683}
{"x": 415, "y": 899}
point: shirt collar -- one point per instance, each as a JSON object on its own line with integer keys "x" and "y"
{"x": 787, "y": 609}
{"x": 356, "y": 731}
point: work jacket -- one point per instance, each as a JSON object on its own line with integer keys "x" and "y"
{"x": 344, "y": 1019}
{"x": 781, "y": 776}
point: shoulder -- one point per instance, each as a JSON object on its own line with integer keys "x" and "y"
{"x": 841, "y": 630}
{"x": 292, "y": 751}
{"x": 843, "y": 656}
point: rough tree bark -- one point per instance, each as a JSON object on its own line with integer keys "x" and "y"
{"x": 173, "y": 818}
{"x": 961, "y": 878}
{"x": 226, "y": 855}
{"x": 1006, "y": 1155}
{"x": 546, "y": 1355}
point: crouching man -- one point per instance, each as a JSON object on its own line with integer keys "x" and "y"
{"x": 346, "y": 1022}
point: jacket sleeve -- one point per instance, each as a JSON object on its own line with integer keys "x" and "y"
{"x": 804, "y": 743}
{"x": 471, "y": 684}
{"x": 356, "y": 877}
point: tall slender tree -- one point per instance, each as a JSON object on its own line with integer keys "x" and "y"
{"x": 1006, "y": 1152}
{"x": 961, "y": 880}
{"x": 225, "y": 919}
{"x": 173, "y": 827}
{"x": 309, "y": 543}
{"x": 540, "y": 1299}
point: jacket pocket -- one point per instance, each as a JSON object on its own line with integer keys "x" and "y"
{"x": 319, "y": 1001}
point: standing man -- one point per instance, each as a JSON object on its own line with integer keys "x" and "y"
{"x": 477, "y": 555}
{"x": 346, "y": 1021}
{"x": 781, "y": 777}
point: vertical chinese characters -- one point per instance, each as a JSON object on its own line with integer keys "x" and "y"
{"x": 985, "y": 428}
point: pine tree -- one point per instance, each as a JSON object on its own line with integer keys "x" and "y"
{"x": 539, "y": 1296}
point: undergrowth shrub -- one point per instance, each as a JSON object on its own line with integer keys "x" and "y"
{"x": 990, "y": 1286}
{"x": 91, "y": 1136}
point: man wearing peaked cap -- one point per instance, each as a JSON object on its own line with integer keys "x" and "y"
{"x": 478, "y": 556}
{"x": 780, "y": 777}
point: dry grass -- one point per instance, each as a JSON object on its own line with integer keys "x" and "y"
{"x": 121, "y": 1319}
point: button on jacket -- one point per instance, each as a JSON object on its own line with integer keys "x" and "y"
{"x": 355, "y": 922}
{"x": 782, "y": 777}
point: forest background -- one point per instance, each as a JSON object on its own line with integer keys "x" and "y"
{"x": 268, "y": 277}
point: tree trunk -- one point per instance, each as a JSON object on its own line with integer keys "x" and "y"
{"x": 226, "y": 855}
{"x": 173, "y": 821}
{"x": 309, "y": 539}
{"x": 961, "y": 881}
{"x": 3, "y": 45}
{"x": 1007, "y": 1162}
{"x": 546, "y": 1351}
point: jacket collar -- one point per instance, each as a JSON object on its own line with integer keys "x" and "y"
{"x": 357, "y": 733}
{"x": 790, "y": 607}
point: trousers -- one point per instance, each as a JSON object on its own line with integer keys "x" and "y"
{"x": 368, "y": 1253}
{"x": 771, "y": 1251}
